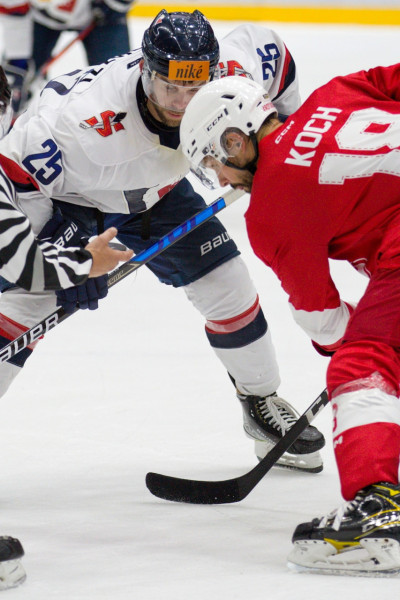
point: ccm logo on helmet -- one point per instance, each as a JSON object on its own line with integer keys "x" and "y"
{"x": 215, "y": 121}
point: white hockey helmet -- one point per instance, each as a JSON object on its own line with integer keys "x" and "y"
{"x": 231, "y": 102}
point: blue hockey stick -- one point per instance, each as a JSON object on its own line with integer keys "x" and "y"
{"x": 58, "y": 316}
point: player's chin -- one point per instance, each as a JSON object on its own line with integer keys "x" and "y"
{"x": 242, "y": 186}
{"x": 173, "y": 118}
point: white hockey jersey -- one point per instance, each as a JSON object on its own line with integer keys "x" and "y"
{"x": 260, "y": 52}
{"x": 33, "y": 264}
{"x": 60, "y": 14}
{"x": 83, "y": 140}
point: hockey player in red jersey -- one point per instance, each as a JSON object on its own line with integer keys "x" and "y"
{"x": 325, "y": 185}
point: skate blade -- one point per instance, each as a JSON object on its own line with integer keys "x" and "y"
{"x": 309, "y": 463}
{"x": 12, "y": 574}
{"x": 374, "y": 557}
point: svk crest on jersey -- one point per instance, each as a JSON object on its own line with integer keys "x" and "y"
{"x": 110, "y": 122}
{"x": 232, "y": 67}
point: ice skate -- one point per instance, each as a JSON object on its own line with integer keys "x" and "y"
{"x": 361, "y": 538}
{"x": 266, "y": 420}
{"x": 12, "y": 573}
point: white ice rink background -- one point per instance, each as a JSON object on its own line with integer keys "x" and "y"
{"x": 134, "y": 387}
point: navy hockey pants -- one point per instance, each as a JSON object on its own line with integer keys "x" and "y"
{"x": 104, "y": 42}
{"x": 187, "y": 260}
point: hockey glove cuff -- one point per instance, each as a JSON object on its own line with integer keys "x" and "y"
{"x": 62, "y": 231}
{"x": 330, "y": 349}
{"x": 327, "y": 350}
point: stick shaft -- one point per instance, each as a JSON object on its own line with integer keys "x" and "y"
{"x": 58, "y": 316}
{"x": 81, "y": 36}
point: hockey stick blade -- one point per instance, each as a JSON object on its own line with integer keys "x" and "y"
{"x": 236, "y": 489}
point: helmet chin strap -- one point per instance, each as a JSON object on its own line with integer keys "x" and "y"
{"x": 252, "y": 165}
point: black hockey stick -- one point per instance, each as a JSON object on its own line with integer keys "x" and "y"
{"x": 236, "y": 489}
{"x": 58, "y": 316}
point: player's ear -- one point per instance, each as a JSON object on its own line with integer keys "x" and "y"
{"x": 234, "y": 142}
{"x": 141, "y": 65}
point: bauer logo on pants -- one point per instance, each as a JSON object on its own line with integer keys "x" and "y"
{"x": 214, "y": 243}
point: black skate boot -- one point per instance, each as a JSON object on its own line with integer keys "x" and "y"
{"x": 266, "y": 420}
{"x": 362, "y": 537}
{"x": 12, "y": 572}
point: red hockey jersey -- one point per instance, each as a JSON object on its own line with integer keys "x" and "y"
{"x": 327, "y": 186}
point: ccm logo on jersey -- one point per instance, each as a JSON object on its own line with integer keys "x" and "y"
{"x": 338, "y": 441}
{"x": 311, "y": 136}
{"x": 110, "y": 122}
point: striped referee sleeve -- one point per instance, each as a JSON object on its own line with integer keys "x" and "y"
{"x": 32, "y": 264}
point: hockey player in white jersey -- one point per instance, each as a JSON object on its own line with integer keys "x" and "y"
{"x": 260, "y": 54}
{"x": 37, "y": 264}
{"x": 106, "y": 140}
{"x": 32, "y": 29}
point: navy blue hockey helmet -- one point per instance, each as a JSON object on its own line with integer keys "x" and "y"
{"x": 178, "y": 37}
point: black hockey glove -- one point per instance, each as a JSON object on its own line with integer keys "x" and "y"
{"x": 62, "y": 231}
{"x": 83, "y": 296}
{"x": 328, "y": 351}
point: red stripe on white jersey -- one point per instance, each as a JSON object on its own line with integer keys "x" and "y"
{"x": 20, "y": 10}
{"x": 288, "y": 60}
{"x": 16, "y": 173}
{"x": 11, "y": 329}
{"x": 234, "y": 323}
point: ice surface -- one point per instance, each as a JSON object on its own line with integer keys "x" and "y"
{"x": 134, "y": 387}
